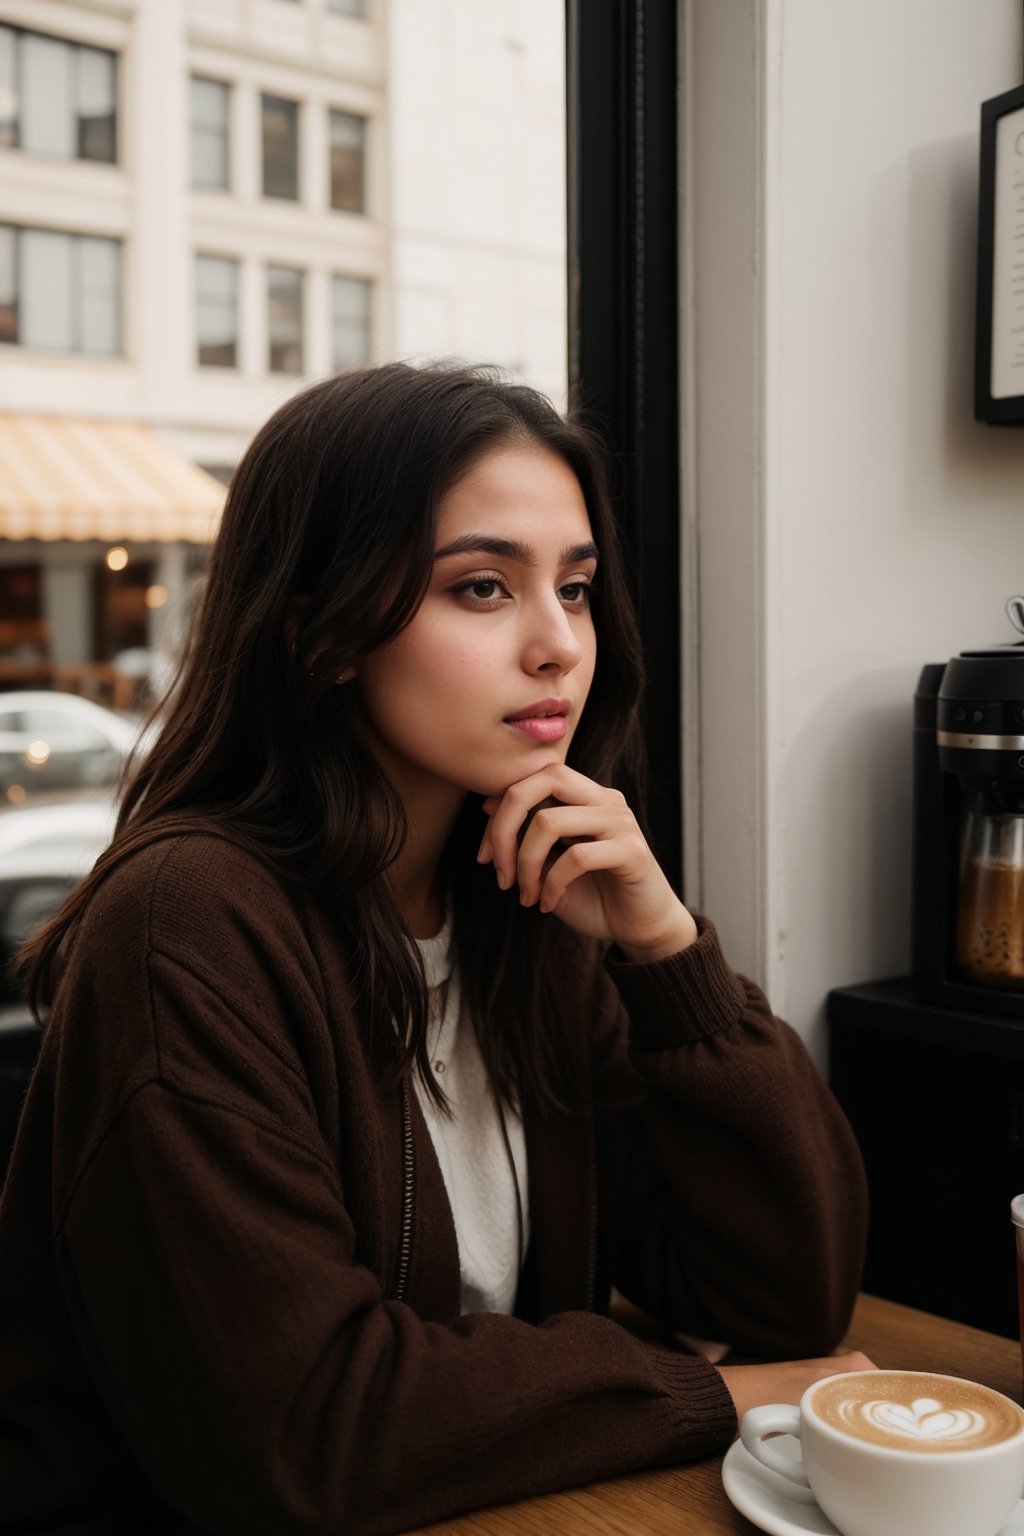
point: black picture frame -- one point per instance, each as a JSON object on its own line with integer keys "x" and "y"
{"x": 997, "y": 247}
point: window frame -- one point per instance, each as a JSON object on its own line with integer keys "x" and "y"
{"x": 303, "y": 275}
{"x": 624, "y": 345}
{"x": 228, "y": 87}
{"x": 76, "y": 237}
{"x": 235, "y": 263}
{"x": 370, "y": 288}
{"x": 288, "y": 101}
{"x": 75, "y": 46}
{"x": 363, "y": 119}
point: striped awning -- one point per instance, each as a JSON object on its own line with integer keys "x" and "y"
{"x": 67, "y": 478}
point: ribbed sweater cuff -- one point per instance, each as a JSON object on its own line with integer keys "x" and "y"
{"x": 682, "y": 998}
{"x": 705, "y": 1409}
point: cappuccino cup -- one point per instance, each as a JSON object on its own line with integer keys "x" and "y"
{"x": 906, "y": 1451}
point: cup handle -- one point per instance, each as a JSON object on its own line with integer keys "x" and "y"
{"x": 773, "y": 1419}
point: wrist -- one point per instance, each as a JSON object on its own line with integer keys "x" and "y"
{"x": 679, "y": 936}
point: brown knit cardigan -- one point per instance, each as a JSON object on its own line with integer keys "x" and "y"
{"x": 229, "y": 1279}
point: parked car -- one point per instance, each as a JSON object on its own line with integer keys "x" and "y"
{"x": 52, "y": 740}
{"x": 45, "y": 851}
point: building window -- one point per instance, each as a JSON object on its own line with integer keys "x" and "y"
{"x": 280, "y": 148}
{"x": 284, "y": 319}
{"x": 8, "y": 283}
{"x": 23, "y": 632}
{"x": 8, "y": 88}
{"x": 355, "y": 8}
{"x": 211, "y": 106}
{"x": 216, "y": 312}
{"x": 351, "y": 302}
{"x": 60, "y": 292}
{"x": 57, "y": 98}
{"x": 348, "y": 161}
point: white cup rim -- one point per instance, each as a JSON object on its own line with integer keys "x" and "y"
{"x": 975, "y": 1452}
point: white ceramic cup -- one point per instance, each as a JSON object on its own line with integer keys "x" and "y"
{"x": 871, "y": 1489}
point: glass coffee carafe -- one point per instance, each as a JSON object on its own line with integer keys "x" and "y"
{"x": 990, "y": 904}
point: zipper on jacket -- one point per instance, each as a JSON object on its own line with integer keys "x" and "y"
{"x": 408, "y": 1189}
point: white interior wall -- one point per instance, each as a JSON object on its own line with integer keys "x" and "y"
{"x": 851, "y": 520}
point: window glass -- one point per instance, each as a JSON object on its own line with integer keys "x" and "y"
{"x": 8, "y": 89}
{"x": 97, "y": 91}
{"x": 99, "y": 273}
{"x": 57, "y": 98}
{"x": 280, "y": 148}
{"x": 352, "y": 298}
{"x": 48, "y": 93}
{"x": 348, "y": 161}
{"x": 348, "y": 8}
{"x": 216, "y": 312}
{"x": 284, "y": 301}
{"x": 60, "y": 291}
{"x": 211, "y": 104}
{"x": 8, "y": 283}
{"x": 45, "y": 290}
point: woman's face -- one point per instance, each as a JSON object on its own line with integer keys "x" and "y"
{"x": 487, "y": 683}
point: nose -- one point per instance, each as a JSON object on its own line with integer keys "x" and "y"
{"x": 551, "y": 643}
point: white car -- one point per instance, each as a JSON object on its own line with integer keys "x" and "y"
{"x": 45, "y": 851}
{"x": 54, "y": 740}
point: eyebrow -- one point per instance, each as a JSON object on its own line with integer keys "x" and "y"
{"x": 511, "y": 549}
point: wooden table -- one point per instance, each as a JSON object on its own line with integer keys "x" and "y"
{"x": 689, "y": 1500}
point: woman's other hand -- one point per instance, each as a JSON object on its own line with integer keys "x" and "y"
{"x": 583, "y": 857}
{"x": 785, "y": 1381}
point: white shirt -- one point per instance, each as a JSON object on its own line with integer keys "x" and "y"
{"x": 469, "y": 1146}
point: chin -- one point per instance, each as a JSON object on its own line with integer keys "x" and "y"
{"x": 496, "y": 783}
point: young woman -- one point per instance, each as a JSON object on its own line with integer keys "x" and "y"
{"x": 377, "y": 1046}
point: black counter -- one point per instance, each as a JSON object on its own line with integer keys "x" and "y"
{"x": 936, "y": 1099}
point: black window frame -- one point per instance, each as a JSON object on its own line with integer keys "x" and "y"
{"x": 623, "y": 276}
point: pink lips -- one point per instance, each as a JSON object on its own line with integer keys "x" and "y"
{"x": 544, "y": 721}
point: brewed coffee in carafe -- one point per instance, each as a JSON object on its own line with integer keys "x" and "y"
{"x": 990, "y": 905}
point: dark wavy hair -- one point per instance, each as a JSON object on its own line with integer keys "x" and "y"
{"x": 336, "y": 501}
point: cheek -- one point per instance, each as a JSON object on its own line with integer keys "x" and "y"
{"x": 426, "y": 668}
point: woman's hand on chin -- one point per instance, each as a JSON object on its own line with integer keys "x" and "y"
{"x": 573, "y": 847}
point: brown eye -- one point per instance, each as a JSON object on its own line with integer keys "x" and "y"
{"x": 485, "y": 590}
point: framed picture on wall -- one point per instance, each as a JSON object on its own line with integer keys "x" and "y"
{"x": 999, "y": 342}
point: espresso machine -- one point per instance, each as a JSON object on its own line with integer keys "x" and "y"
{"x": 968, "y": 874}
{"x": 929, "y": 1067}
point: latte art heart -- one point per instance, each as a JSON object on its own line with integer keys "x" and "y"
{"x": 924, "y": 1419}
{"x": 917, "y": 1411}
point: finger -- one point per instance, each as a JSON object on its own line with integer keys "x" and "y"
{"x": 580, "y": 859}
{"x": 581, "y": 788}
{"x": 556, "y": 782}
{"x": 552, "y": 829}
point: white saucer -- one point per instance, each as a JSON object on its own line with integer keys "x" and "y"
{"x": 764, "y": 1497}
